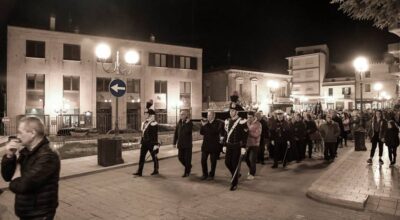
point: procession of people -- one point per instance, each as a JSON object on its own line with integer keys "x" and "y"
{"x": 281, "y": 137}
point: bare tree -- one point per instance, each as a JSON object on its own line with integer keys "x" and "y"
{"x": 383, "y": 13}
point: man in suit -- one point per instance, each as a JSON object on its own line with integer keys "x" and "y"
{"x": 211, "y": 130}
{"x": 183, "y": 140}
{"x": 149, "y": 140}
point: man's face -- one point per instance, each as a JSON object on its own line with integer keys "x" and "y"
{"x": 378, "y": 114}
{"x": 232, "y": 113}
{"x": 210, "y": 116}
{"x": 25, "y": 135}
{"x": 250, "y": 118}
{"x": 328, "y": 118}
{"x": 183, "y": 115}
{"x": 280, "y": 117}
{"x": 259, "y": 115}
{"x": 146, "y": 115}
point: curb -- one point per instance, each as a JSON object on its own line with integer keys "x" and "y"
{"x": 315, "y": 193}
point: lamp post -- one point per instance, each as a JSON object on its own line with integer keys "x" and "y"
{"x": 178, "y": 104}
{"x": 273, "y": 85}
{"x": 361, "y": 65}
{"x": 103, "y": 52}
{"x": 378, "y": 87}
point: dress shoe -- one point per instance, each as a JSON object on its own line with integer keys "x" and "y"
{"x": 233, "y": 188}
{"x": 204, "y": 177}
{"x": 137, "y": 174}
{"x": 155, "y": 172}
{"x": 185, "y": 175}
{"x": 210, "y": 177}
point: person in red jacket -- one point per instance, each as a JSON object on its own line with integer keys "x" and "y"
{"x": 253, "y": 141}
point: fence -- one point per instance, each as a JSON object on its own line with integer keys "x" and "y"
{"x": 65, "y": 124}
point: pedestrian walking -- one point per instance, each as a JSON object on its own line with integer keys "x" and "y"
{"x": 253, "y": 141}
{"x": 33, "y": 170}
{"x": 392, "y": 141}
{"x": 184, "y": 141}
{"x": 280, "y": 136}
{"x": 263, "y": 138}
{"x": 299, "y": 134}
{"x": 211, "y": 130}
{"x": 312, "y": 134}
{"x": 235, "y": 139}
{"x": 376, "y": 132}
{"x": 149, "y": 140}
{"x": 330, "y": 132}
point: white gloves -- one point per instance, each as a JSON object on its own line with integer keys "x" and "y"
{"x": 156, "y": 147}
{"x": 224, "y": 149}
{"x": 243, "y": 151}
{"x": 273, "y": 142}
{"x": 288, "y": 144}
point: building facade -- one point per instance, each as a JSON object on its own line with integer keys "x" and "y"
{"x": 255, "y": 89}
{"x": 54, "y": 74}
{"x": 308, "y": 69}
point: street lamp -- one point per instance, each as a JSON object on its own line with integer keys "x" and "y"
{"x": 378, "y": 87}
{"x": 103, "y": 53}
{"x": 361, "y": 65}
{"x": 178, "y": 105}
{"x": 273, "y": 85}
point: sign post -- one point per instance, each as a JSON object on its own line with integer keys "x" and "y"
{"x": 117, "y": 88}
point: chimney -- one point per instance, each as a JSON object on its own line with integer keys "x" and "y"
{"x": 52, "y": 22}
{"x": 152, "y": 38}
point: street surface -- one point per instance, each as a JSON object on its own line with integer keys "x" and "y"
{"x": 116, "y": 194}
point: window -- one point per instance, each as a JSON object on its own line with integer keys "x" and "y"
{"x": 330, "y": 91}
{"x": 35, "y": 49}
{"x": 239, "y": 85}
{"x": 72, "y": 52}
{"x": 254, "y": 94}
{"x": 35, "y": 93}
{"x": 160, "y": 86}
{"x": 367, "y": 88}
{"x": 368, "y": 74}
{"x": 346, "y": 91}
{"x": 102, "y": 84}
{"x": 185, "y": 94}
{"x": 133, "y": 86}
{"x": 71, "y": 83}
{"x": 172, "y": 61}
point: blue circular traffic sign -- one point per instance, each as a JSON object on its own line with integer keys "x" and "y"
{"x": 117, "y": 87}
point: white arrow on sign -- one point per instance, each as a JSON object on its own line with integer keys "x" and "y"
{"x": 116, "y": 88}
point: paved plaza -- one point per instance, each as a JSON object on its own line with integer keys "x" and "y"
{"x": 274, "y": 194}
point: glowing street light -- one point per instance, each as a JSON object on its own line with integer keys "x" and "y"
{"x": 361, "y": 66}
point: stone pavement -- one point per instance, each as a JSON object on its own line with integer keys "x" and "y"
{"x": 352, "y": 183}
{"x": 87, "y": 165}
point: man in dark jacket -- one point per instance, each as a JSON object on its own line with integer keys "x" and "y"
{"x": 149, "y": 140}
{"x": 211, "y": 130}
{"x": 263, "y": 138}
{"x": 34, "y": 174}
{"x": 338, "y": 120}
{"x": 299, "y": 136}
{"x": 183, "y": 140}
{"x": 280, "y": 135}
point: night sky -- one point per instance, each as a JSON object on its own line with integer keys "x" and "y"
{"x": 257, "y": 34}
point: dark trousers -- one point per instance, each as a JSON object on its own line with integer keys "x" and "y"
{"x": 213, "y": 159}
{"x": 330, "y": 148}
{"x": 310, "y": 145}
{"x": 232, "y": 162}
{"x": 261, "y": 151}
{"x": 392, "y": 154}
{"x": 185, "y": 157}
{"x": 143, "y": 152}
{"x": 270, "y": 147}
{"x": 279, "y": 151}
{"x": 375, "y": 142}
{"x": 301, "y": 149}
{"x": 49, "y": 216}
{"x": 251, "y": 158}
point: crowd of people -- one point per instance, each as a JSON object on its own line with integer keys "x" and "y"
{"x": 33, "y": 168}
